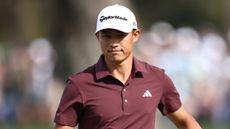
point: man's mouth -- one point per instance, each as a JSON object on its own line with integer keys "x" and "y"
{"x": 115, "y": 51}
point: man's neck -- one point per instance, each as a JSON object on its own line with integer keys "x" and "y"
{"x": 121, "y": 70}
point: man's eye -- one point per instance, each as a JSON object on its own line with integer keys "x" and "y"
{"x": 121, "y": 35}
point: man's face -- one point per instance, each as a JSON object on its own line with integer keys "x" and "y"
{"x": 116, "y": 45}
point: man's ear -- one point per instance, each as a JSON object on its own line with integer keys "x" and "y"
{"x": 136, "y": 34}
{"x": 97, "y": 35}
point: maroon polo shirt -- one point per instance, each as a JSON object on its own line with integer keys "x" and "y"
{"x": 94, "y": 99}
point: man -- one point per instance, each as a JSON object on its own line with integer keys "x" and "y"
{"x": 119, "y": 91}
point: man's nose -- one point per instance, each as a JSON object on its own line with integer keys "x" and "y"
{"x": 114, "y": 40}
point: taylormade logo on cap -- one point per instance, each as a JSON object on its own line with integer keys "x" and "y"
{"x": 116, "y": 17}
{"x": 111, "y": 17}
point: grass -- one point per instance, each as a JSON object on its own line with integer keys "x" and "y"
{"x": 33, "y": 125}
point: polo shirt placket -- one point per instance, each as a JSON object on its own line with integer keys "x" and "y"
{"x": 124, "y": 99}
{"x": 124, "y": 96}
{"x": 123, "y": 88}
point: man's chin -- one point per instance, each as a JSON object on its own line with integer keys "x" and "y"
{"x": 116, "y": 59}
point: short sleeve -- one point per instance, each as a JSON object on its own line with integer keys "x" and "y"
{"x": 70, "y": 106}
{"x": 170, "y": 100}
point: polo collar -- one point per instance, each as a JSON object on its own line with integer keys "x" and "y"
{"x": 101, "y": 70}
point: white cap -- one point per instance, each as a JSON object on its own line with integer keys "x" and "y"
{"x": 116, "y": 17}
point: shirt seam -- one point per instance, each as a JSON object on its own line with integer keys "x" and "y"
{"x": 80, "y": 91}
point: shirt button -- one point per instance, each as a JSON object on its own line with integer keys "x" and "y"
{"x": 124, "y": 89}
{"x": 126, "y": 100}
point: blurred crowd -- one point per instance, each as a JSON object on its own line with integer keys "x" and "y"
{"x": 198, "y": 61}
{"x": 29, "y": 90}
